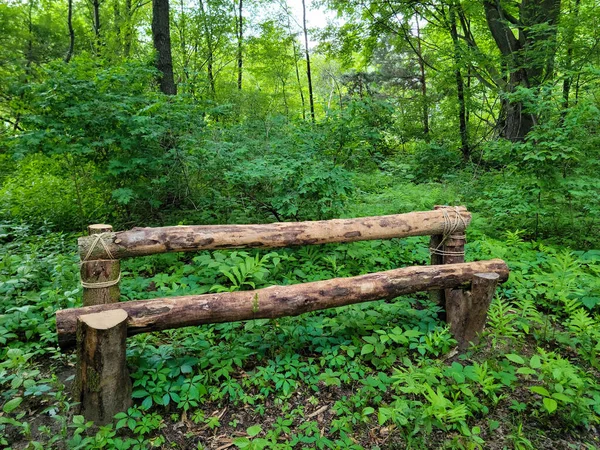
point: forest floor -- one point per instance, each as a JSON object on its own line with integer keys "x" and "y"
{"x": 381, "y": 375}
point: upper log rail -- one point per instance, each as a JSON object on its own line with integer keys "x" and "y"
{"x": 149, "y": 241}
{"x": 280, "y": 301}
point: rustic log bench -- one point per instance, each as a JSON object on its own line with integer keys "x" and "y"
{"x": 99, "y": 329}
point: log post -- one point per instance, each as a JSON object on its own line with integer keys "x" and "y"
{"x": 467, "y": 311}
{"x": 448, "y": 249}
{"x": 100, "y": 277}
{"x": 102, "y": 385}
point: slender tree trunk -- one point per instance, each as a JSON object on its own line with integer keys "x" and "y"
{"x": 209, "y": 48}
{"x": 183, "y": 40}
{"x": 423, "y": 82}
{"x": 128, "y": 33}
{"x": 162, "y": 43}
{"x": 460, "y": 89}
{"x": 96, "y": 8}
{"x": 569, "y": 61}
{"x": 71, "y": 32}
{"x": 308, "y": 72}
{"x": 240, "y": 37}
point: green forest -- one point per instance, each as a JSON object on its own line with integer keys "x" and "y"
{"x": 150, "y": 113}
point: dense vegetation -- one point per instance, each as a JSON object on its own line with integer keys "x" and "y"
{"x": 245, "y": 115}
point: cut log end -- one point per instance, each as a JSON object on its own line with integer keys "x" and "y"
{"x": 105, "y": 320}
{"x": 487, "y": 276}
{"x": 98, "y": 228}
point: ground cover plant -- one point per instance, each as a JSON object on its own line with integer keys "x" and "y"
{"x": 139, "y": 113}
{"x": 380, "y": 375}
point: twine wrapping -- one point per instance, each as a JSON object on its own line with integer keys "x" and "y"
{"x": 449, "y": 230}
{"x": 99, "y": 239}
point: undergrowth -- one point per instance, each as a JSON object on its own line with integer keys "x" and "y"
{"x": 376, "y": 375}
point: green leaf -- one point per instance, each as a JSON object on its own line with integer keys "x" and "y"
{"x": 241, "y": 442}
{"x": 540, "y": 390}
{"x": 535, "y": 362}
{"x": 515, "y": 358}
{"x": 11, "y": 405}
{"x": 368, "y": 348}
{"x": 550, "y": 405}
{"x": 526, "y": 371}
{"x": 562, "y": 397}
{"x": 140, "y": 393}
{"x": 147, "y": 403}
{"x": 254, "y": 430}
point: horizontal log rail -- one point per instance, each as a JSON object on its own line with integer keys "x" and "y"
{"x": 148, "y": 241}
{"x": 278, "y": 301}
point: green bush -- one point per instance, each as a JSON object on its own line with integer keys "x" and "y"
{"x": 433, "y": 161}
{"x": 46, "y": 190}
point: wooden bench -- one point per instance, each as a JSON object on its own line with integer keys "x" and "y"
{"x": 99, "y": 329}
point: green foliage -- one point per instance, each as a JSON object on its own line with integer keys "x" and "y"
{"x": 432, "y": 162}
{"x": 50, "y": 190}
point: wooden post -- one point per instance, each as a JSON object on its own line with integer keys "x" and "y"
{"x": 448, "y": 250}
{"x": 102, "y": 384}
{"x": 100, "y": 277}
{"x": 467, "y": 311}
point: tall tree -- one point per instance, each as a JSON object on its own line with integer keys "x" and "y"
{"x": 527, "y": 56}
{"x": 240, "y": 40}
{"x": 308, "y": 72}
{"x": 161, "y": 37}
{"x": 71, "y": 32}
{"x": 460, "y": 85}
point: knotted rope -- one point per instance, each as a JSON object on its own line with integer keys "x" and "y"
{"x": 448, "y": 232}
{"x": 99, "y": 239}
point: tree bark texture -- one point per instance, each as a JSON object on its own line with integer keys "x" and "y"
{"x": 71, "y": 32}
{"x": 460, "y": 88}
{"x": 148, "y": 241}
{"x": 96, "y": 8}
{"x": 467, "y": 310}
{"x": 528, "y": 56}
{"x": 161, "y": 37}
{"x": 423, "y": 82}
{"x": 100, "y": 271}
{"x": 102, "y": 385}
{"x": 279, "y": 301}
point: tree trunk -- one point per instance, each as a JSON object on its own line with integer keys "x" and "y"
{"x": 240, "y": 42}
{"x": 570, "y": 36}
{"x": 209, "y": 48}
{"x": 423, "y": 82}
{"x": 71, "y": 32}
{"x": 96, "y": 8}
{"x": 279, "y": 301}
{"x": 128, "y": 32}
{"x": 528, "y": 57}
{"x": 162, "y": 43}
{"x": 308, "y": 71}
{"x": 149, "y": 241}
{"x": 460, "y": 89}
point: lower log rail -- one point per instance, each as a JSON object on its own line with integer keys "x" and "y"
{"x": 279, "y": 301}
